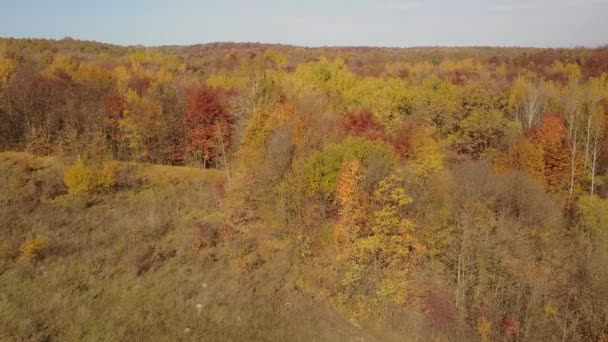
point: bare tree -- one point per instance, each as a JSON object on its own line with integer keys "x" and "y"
{"x": 572, "y": 106}
{"x": 530, "y": 110}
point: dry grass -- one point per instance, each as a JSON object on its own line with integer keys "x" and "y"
{"x": 126, "y": 266}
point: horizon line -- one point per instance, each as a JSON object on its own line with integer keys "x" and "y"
{"x": 573, "y": 47}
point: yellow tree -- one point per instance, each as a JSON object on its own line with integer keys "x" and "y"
{"x": 379, "y": 262}
{"x": 7, "y": 67}
{"x": 427, "y": 155}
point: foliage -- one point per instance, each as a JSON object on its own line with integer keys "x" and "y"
{"x": 322, "y": 169}
{"x": 82, "y": 178}
{"x": 551, "y": 137}
{"x": 435, "y": 193}
{"x": 7, "y": 67}
{"x": 482, "y": 133}
{"x": 427, "y": 155}
{"x": 208, "y": 124}
{"x": 363, "y": 124}
{"x": 593, "y": 212}
{"x": 527, "y": 157}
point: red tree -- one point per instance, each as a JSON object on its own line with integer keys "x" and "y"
{"x": 363, "y": 124}
{"x": 209, "y": 125}
{"x": 401, "y": 138}
{"x": 114, "y": 106}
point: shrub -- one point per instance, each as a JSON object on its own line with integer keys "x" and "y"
{"x": 31, "y": 249}
{"x": 205, "y": 234}
{"x": 250, "y": 262}
{"x": 110, "y": 174}
{"x": 81, "y": 178}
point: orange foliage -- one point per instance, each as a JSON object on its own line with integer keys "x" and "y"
{"x": 349, "y": 197}
{"x": 114, "y": 106}
{"x": 551, "y": 138}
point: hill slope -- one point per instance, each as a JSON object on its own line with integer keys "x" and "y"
{"x": 134, "y": 264}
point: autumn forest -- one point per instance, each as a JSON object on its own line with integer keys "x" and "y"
{"x": 246, "y": 191}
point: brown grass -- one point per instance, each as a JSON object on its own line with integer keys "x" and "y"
{"x": 122, "y": 267}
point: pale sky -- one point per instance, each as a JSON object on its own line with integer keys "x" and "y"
{"x": 402, "y": 23}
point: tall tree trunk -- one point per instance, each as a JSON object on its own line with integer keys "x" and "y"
{"x": 588, "y": 140}
{"x": 226, "y": 162}
{"x": 573, "y": 150}
{"x": 594, "y": 160}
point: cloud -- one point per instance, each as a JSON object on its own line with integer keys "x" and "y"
{"x": 399, "y": 6}
{"x": 532, "y": 5}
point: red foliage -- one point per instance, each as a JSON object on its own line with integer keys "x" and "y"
{"x": 439, "y": 309}
{"x": 401, "y": 139}
{"x": 114, "y": 106}
{"x": 511, "y": 325}
{"x": 208, "y": 123}
{"x": 363, "y": 124}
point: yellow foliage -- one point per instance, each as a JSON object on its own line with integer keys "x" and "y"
{"x": 484, "y": 329}
{"x": 60, "y": 62}
{"x": 465, "y": 65}
{"x": 427, "y": 154}
{"x": 520, "y": 89}
{"x": 421, "y": 69}
{"x": 81, "y": 178}
{"x": 332, "y": 78}
{"x": 90, "y": 73}
{"x": 122, "y": 77}
{"x": 550, "y": 310}
{"x": 142, "y": 120}
{"x": 571, "y": 71}
{"x": 160, "y": 78}
{"x": 110, "y": 174}
{"x": 385, "y": 97}
{"x": 7, "y": 67}
{"x": 31, "y": 249}
{"x": 439, "y": 100}
{"x": 276, "y": 57}
{"x": 225, "y": 80}
{"x": 264, "y": 120}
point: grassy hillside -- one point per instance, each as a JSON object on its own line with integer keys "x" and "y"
{"x": 137, "y": 264}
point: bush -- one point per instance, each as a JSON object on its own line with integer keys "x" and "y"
{"x": 110, "y": 175}
{"x": 81, "y": 178}
{"x": 31, "y": 249}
